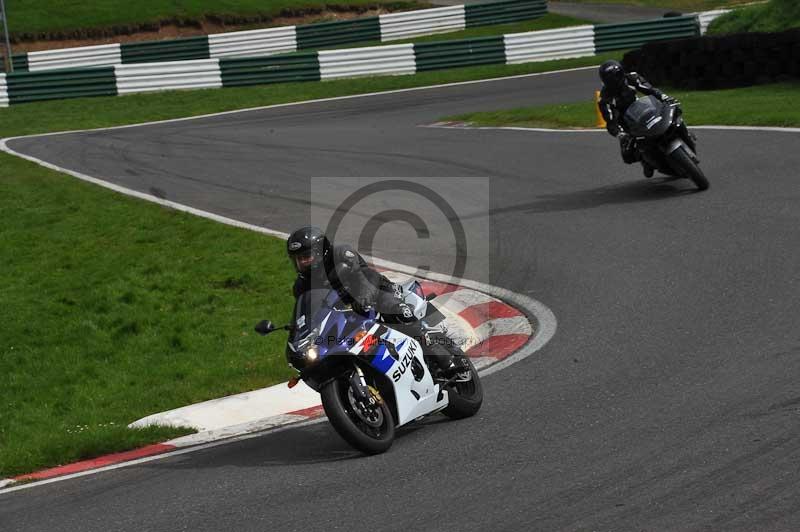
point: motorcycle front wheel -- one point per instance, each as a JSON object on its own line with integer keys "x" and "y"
{"x": 370, "y": 434}
{"x": 688, "y": 168}
{"x": 464, "y": 398}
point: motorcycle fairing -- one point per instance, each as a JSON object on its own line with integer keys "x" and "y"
{"x": 318, "y": 320}
{"x": 400, "y": 358}
{"x": 414, "y": 297}
{"x": 648, "y": 117}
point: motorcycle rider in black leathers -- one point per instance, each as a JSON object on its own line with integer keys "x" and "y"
{"x": 319, "y": 264}
{"x": 618, "y": 93}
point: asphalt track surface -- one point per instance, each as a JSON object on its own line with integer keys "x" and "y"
{"x": 668, "y": 399}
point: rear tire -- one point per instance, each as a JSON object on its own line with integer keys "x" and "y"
{"x": 464, "y": 398}
{"x": 369, "y": 440}
{"x": 689, "y": 169}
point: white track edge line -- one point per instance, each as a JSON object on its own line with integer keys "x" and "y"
{"x": 304, "y": 102}
{"x": 599, "y": 130}
{"x": 154, "y": 457}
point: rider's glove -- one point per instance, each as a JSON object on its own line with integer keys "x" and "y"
{"x": 668, "y": 99}
{"x": 362, "y": 307}
{"x": 362, "y": 300}
{"x": 344, "y": 267}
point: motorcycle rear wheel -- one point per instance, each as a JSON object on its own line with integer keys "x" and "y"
{"x": 347, "y": 423}
{"x": 689, "y": 169}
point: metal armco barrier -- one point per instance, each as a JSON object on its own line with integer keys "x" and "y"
{"x": 20, "y": 62}
{"x": 103, "y": 55}
{"x": 284, "y": 39}
{"x": 467, "y": 52}
{"x": 159, "y": 51}
{"x": 3, "y": 91}
{"x": 550, "y": 44}
{"x": 634, "y": 34}
{"x": 397, "y": 59}
{"x": 502, "y": 12}
{"x": 58, "y": 84}
{"x": 325, "y": 34}
{"x": 277, "y": 69}
{"x": 396, "y": 26}
{"x": 149, "y": 77}
{"x": 400, "y": 59}
{"x": 708, "y": 16}
{"x": 253, "y": 43}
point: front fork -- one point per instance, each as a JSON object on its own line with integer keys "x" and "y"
{"x": 688, "y": 137}
{"x": 362, "y": 393}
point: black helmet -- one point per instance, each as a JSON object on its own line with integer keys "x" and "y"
{"x": 307, "y": 248}
{"x": 612, "y": 74}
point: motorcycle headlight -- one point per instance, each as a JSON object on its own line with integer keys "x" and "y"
{"x": 311, "y": 355}
{"x": 304, "y": 352}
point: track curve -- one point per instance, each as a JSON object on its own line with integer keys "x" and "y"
{"x": 667, "y": 400}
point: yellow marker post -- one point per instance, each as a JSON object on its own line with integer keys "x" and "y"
{"x": 601, "y": 122}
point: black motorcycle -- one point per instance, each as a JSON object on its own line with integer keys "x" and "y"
{"x": 663, "y": 140}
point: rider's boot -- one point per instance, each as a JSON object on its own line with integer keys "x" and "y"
{"x": 450, "y": 366}
{"x": 433, "y": 339}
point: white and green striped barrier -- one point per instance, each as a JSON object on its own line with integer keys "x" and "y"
{"x": 253, "y": 43}
{"x": 102, "y": 55}
{"x": 707, "y": 17}
{"x": 397, "y": 59}
{"x": 150, "y": 77}
{"x": 3, "y": 91}
{"x": 271, "y": 41}
{"x": 396, "y": 26}
{"x": 577, "y": 41}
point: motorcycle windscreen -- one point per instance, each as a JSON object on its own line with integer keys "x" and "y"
{"x": 307, "y": 307}
{"x": 647, "y": 117}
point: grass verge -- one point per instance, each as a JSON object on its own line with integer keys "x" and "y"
{"x": 774, "y": 16}
{"x": 775, "y": 105}
{"x": 115, "y": 308}
{"x": 33, "y": 16}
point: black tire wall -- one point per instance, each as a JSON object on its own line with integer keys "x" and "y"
{"x": 719, "y": 62}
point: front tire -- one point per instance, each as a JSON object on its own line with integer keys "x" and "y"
{"x": 347, "y": 423}
{"x": 464, "y": 398}
{"x": 688, "y": 168}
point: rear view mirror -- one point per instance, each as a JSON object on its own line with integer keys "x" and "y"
{"x": 264, "y": 327}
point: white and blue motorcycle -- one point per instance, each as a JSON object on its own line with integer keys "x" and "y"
{"x": 372, "y": 376}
